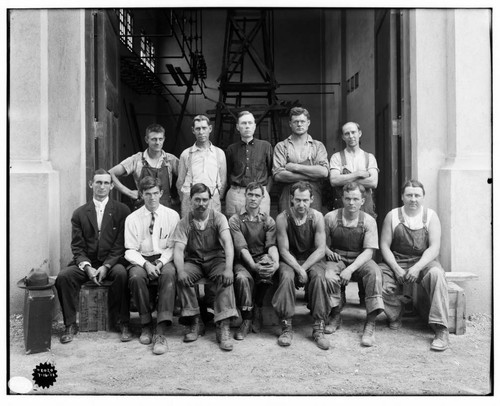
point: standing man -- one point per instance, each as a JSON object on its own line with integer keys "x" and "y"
{"x": 97, "y": 247}
{"x": 248, "y": 160}
{"x": 301, "y": 243}
{"x": 257, "y": 258}
{"x": 204, "y": 248}
{"x": 149, "y": 249}
{"x": 352, "y": 238}
{"x": 410, "y": 242}
{"x": 352, "y": 164}
{"x": 300, "y": 158}
{"x": 202, "y": 163}
{"x": 153, "y": 162}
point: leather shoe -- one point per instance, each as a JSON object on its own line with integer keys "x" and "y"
{"x": 160, "y": 344}
{"x": 146, "y": 335}
{"x": 126, "y": 335}
{"x": 244, "y": 329}
{"x": 69, "y": 332}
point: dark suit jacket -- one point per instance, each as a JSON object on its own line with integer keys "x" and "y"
{"x": 87, "y": 245}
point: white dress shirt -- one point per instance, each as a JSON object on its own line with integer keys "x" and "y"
{"x": 140, "y": 243}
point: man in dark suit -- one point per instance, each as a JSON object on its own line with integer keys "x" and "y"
{"x": 98, "y": 246}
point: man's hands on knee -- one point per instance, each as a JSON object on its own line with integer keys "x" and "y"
{"x": 345, "y": 276}
{"x": 302, "y": 277}
{"x": 227, "y": 277}
{"x": 92, "y": 273}
{"x": 183, "y": 279}
{"x": 153, "y": 271}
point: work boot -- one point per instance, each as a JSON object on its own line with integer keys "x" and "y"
{"x": 146, "y": 335}
{"x": 69, "y": 332}
{"x": 398, "y": 323}
{"x": 368, "y": 338}
{"x": 195, "y": 329}
{"x": 225, "y": 336}
{"x": 244, "y": 329}
{"x": 319, "y": 335}
{"x": 334, "y": 321}
{"x": 257, "y": 320}
{"x": 125, "y": 335}
{"x": 441, "y": 338}
{"x": 285, "y": 338}
{"x": 160, "y": 344}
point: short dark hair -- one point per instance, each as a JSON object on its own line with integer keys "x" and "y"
{"x": 297, "y": 111}
{"x": 349, "y": 187}
{"x": 200, "y": 188}
{"x": 301, "y": 187}
{"x": 254, "y": 185}
{"x": 351, "y": 122}
{"x": 200, "y": 117}
{"x": 102, "y": 171}
{"x": 243, "y": 113}
{"x": 412, "y": 183}
{"x": 148, "y": 182}
{"x": 154, "y": 128}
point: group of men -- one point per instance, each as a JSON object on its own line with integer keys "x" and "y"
{"x": 243, "y": 255}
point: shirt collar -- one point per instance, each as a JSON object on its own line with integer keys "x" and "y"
{"x": 101, "y": 205}
{"x": 146, "y": 212}
{"x": 146, "y": 154}
{"x": 195, "y": 148}
{"x": 251, "y": 142}
{"x": 309, "y": 138}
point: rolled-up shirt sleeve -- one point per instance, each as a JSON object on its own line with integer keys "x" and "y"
{"x": 132, "y": 243}
{"x": 279, "y": 158}
{"x": 239, "y": 240}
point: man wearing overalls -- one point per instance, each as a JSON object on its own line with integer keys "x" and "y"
{"x": 352, "y": 164}
{"x": 152, "y": 162}
{"x": 410, "y": 242}
{"x": 202, "y": 163}
{"x": 301, "y": 242}
{"x": 352, "y": 238}
{"x": 204, "y": 249}
{"x": 300, "y": 158}
{"x": 257, "y": 258}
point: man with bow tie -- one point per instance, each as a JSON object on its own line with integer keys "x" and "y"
{"x": 98, "y": 247}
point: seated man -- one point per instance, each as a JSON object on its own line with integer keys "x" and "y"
{"x": 152, "y": 162}
{"x": 301, "y": 243}
{"x": 352, "y": 238}
{"x": 149, "y": 249}
{"x": 97, "y": 246}
{"x": 410, "y": 242}
{"x": 257, "y": 258}
{"x": 204, "y": 248}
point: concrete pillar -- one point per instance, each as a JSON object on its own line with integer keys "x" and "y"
{"x": 451, "y": 137}
{"x": 465, "y": 194}
{"x": 47, "y": 138}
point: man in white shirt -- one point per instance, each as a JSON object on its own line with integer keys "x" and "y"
{"x": 354, "y": 165}
{"x": 202, "y": 163}
{"x": 152, "y": 162}
{"x": 97, "y": 247}
{"x": 149, "y": 249}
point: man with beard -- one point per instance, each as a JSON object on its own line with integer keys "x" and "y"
{"x": 204, "y": 248}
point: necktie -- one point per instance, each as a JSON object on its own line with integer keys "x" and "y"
{"x": 152, "y": 225}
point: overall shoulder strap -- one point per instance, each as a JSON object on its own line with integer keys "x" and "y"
{"x": 343, "y": 159}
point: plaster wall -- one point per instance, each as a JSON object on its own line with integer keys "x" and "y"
{"x": 47, "y": 149}
{"x": 451, "y": 154}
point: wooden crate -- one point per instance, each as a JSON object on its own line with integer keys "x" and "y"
{"x": 456, "y": 307}
{"x": 94, "y": 314}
